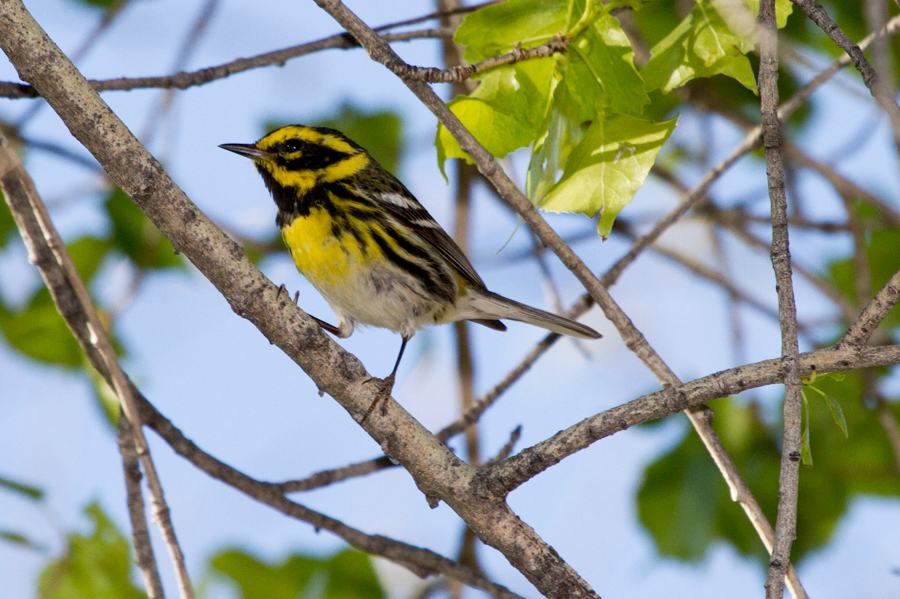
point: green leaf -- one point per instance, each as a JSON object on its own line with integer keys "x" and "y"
{"x": 346, "y": 575}
{"x": 97, "y": 566}
{"x": 87, "y": 255}
{"x": 506, "y": 111}
{"x": 599, "y": 74}
{"x": 701, "y": 46}
{"x": 104, "y": 395}
{"x": 17, "y": 538}
{"x": 551, "y": 151}
{"x": 256, "y": 579}
{"x": 350, "y": 576}
{"x": 499, "y": 28}
{"x": 7, "y": 224}
{"x": 381, "y": 133}
{"x": 783, "y": 9}
{"x": 607, "y": 167}
{"x": 40, "y": 332}
{"x": 28, "y": 491}
{"x": 135, "y": 236}
{"x": 805, "y": 447}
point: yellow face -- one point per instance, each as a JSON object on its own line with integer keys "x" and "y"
{"x": 299, "y": 157}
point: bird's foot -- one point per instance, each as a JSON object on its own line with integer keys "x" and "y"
{"x": 386, "y": 385}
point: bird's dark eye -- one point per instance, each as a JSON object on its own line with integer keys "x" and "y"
{"x": 293, "y": 145}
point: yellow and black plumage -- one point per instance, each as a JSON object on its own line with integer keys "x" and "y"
{"x": 369, "y": 247}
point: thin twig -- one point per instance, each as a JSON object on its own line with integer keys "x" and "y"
{"x": 203, "y": 76}
{"x": 143, "y": 548}
{"x": 879, "y": 91}
{"x": 459, "y": 73}
{"x": 786, "y": 520}
{"x": 328, "y": 477}
{"x": 48, "y": 252}
{"x": 421, "y": 562}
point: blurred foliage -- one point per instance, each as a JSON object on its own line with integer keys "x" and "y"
{"x": 37, "y": 329}
{"x": 883, "y": 258}
{"x": 94, "y": 566}
{"x": 685, "y": 504}
{"x": 345, "y": 575}
{"x": 20, "y": 488}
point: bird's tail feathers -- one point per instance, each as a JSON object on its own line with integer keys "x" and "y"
{"x": 489, "y": 306}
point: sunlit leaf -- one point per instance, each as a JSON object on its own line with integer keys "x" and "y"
{"x": 505, "y": 112}
{"x": 96, "y": 566}
{"x": 499, "y": 28}
{"x": 607, "y": 167}
{"x": 599, "y": 74}
{"x": 701, "y": 46}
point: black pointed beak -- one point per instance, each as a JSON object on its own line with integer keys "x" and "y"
{"x": 247, "y": 150}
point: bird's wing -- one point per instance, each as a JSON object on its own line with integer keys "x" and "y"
{"x": 407, "y": 208}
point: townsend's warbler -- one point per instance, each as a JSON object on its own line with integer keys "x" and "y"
{"x": 369, "y": 247}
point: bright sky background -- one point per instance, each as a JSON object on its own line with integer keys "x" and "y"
{"x": 216, "y": 377}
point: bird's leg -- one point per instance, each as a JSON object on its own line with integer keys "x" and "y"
{"x": 328, "y": 327}
{"x": 387, "y": 385}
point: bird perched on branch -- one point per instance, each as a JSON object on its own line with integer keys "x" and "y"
{"x": 369, "y": 247}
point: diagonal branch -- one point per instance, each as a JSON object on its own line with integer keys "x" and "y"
{"x": 439, "y": 474}
{"x": 876, "y": 87}
{"x": 633, "y": 338}
{"x": 48, "y": 252}
{"x": 531, "y": 461}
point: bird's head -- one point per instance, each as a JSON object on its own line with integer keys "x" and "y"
{"x": 300, "y": 157}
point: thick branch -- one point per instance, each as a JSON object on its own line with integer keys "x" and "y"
{"x": 437, "y": 472}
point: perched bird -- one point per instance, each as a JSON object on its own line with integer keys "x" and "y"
{"x": 369, "y": 247}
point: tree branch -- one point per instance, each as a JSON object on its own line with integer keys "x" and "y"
{"x": 511, "y": 473}
{"x": 786, "y": 520}
{"x": 184, "y": 80}
{"x": 48, "y": 252}
{"x": 438, "y": 473}
{"x": 143, "y": 549}
{"x": 876, "y": 87}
